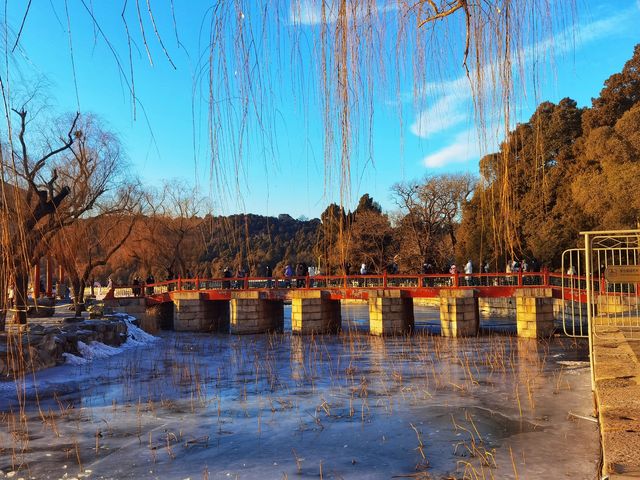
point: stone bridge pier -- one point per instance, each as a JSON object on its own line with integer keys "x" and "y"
{"x": 193, "y": 312}
{"x": 459, "y": 315}
{"x": 390, "y": 312}
{"x": 534, "y": 312}
{"x": 252, "y": 313}
{"x": 314, "y": 312}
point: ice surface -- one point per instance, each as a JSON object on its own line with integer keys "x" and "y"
{"x": 349, "y": 406}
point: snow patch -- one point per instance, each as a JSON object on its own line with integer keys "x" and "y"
{"x": 573, "y": 364}
{"x": 71, "y": 359}
{"x": 135, "y": 334}
{"x": 96, "y": 350}
{"x": 136, "y": 337}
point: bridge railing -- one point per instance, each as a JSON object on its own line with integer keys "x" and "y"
{"x": 574, "y": 282}
{"x": 412, "y": 281}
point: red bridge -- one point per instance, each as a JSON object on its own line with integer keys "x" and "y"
{"x": 256, "y": 304}
{"x": 486, "y": 285}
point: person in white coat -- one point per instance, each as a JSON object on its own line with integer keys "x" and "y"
{"x": 468, "y": 270}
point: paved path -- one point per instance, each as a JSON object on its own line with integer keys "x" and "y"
{"x": 617, "y": 376}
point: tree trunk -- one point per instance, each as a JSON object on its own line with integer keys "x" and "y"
{"x": 21, "y": 299}
{"x": 78, "y": 296}
{"x": 80, "y": 305}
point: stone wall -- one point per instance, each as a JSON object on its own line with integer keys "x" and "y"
{"x": 157, "y": 317}
{"x": 488, "y": 307}
{"x": 152, "y": 318}
{"x": 37, "y": 347}
{"x": 44, "y": 307}
{"x": 505, "y": 307}
{"x": 613, "y": 304}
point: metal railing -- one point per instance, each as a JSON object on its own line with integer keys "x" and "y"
{"x": 615, "y": 302}
{"x": 415, "y": 282}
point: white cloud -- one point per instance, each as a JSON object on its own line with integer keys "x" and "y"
{"x": 451, "y": 103}
{"x": 309, "y": 12}
{"x": 465, "y": 147}
{"x": 448, "y": 111}
{"x": 561, "y": 43}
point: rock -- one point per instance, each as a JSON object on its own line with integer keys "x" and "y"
{"x": 40, "y": 311}
{"x": 34, "y": 339}
{"x": 43, "y": 347}
{"x": 96, "y": 310}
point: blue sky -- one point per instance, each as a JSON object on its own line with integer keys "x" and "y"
{"x": 283, "y": 168}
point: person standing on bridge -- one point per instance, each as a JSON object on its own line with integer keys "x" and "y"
{"x": 508, "y": 269}
{"x": 226, "y": 284}
{"x": 524, "y": 268}
{"x": 468, "y": 270}
{"x": 240, "y": 276}
{"x": 392, "y": 268}
{"x": 453, "y": 271}
{"x": 363, "y": 271}
{"x": 11, "y": 293}
{"x": 484, "y": 266}
{"x": 136, "y": 286}
{"x": 268, "y": 273}
{"x": 288, "y": 273}
{"x": 299, "y": 274}
{"x": 150, "y": 281}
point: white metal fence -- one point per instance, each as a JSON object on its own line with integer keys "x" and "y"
{"x": 614, "y": 273}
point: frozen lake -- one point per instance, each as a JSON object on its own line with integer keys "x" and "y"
{"x": 281, "y": 406}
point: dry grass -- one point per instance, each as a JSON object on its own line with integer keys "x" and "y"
{"x": 353, "y": 377}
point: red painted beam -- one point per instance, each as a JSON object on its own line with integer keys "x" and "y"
{"x": 491, "y": 285}
{"x": 36, "y": 280}
{"x": 49, "y": 282}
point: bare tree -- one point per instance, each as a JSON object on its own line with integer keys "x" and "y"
{"x": 91, "y": 242}
{"x": 168, "y": 240}
{"x": 49, "y": 181}
{"x": 432, "y": 209}
{"x": 372, "y": 238}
